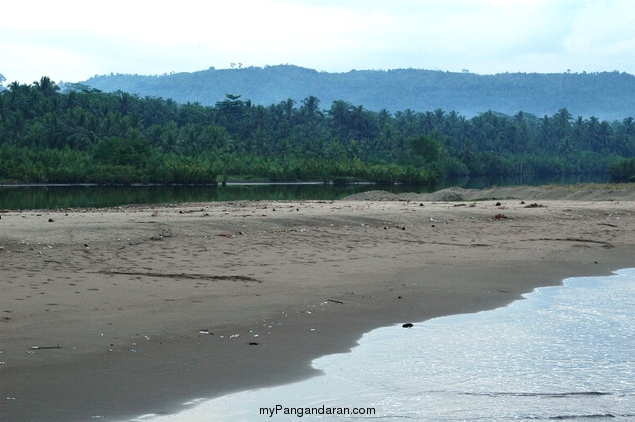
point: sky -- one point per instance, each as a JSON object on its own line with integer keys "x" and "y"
{"x": 72, "y": 41}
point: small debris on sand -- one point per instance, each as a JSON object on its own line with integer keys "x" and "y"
{"x": 228, "y": 235}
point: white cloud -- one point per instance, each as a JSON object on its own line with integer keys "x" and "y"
{"x": 73, "y": 40}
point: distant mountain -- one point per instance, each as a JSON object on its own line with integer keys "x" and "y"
{"x": 606, "y": 95}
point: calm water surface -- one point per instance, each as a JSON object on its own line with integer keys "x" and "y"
{"x": 565, "y": 353}
{"x": 51, "y": 197}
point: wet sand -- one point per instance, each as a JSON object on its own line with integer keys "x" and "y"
{"x": 152, "y": 306}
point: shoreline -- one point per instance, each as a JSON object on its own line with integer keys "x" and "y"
{"x": 308, "y": 279}
{"x": 404, "y": 354}
{"x": 189, "y": 405}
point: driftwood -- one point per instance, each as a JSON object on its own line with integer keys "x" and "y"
{"x": 47, "y": 347}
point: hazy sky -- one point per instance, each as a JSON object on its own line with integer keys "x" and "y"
{"x": 74, "y": 40}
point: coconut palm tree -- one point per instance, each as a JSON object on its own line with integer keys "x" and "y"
{"x": 46, "y": 87}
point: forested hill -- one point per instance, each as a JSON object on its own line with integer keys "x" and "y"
{"x": 606, "y": 95}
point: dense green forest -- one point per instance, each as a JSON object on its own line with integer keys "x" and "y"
{"x": 85, "y": 135}
{"x": 605, "y": 95}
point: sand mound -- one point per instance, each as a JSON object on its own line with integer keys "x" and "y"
{"x": 586, "y": 192}
{"x": 451, "y": 194}
{"x": 380, "y": 195}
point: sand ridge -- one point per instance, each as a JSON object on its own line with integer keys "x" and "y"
{"x": 155, "y": 305}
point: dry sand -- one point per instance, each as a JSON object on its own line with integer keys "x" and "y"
{"x": 126, "y": 292}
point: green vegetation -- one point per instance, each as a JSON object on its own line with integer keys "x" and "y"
{"x": 623, "y": 170}
{"x": 87, "y": 136}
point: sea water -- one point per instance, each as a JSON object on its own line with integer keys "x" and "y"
{"x": 564, "y": 353}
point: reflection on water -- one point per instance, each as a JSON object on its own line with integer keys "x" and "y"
{"x": 42, "y": 197}
{"x": 50, "y": 197}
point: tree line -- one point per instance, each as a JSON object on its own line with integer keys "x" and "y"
{"x": 83, "y": 135}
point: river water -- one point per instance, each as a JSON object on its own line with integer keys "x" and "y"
{"x": 22, "y": 197}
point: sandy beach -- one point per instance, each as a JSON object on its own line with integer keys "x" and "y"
{"x": 133, "y": 310}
